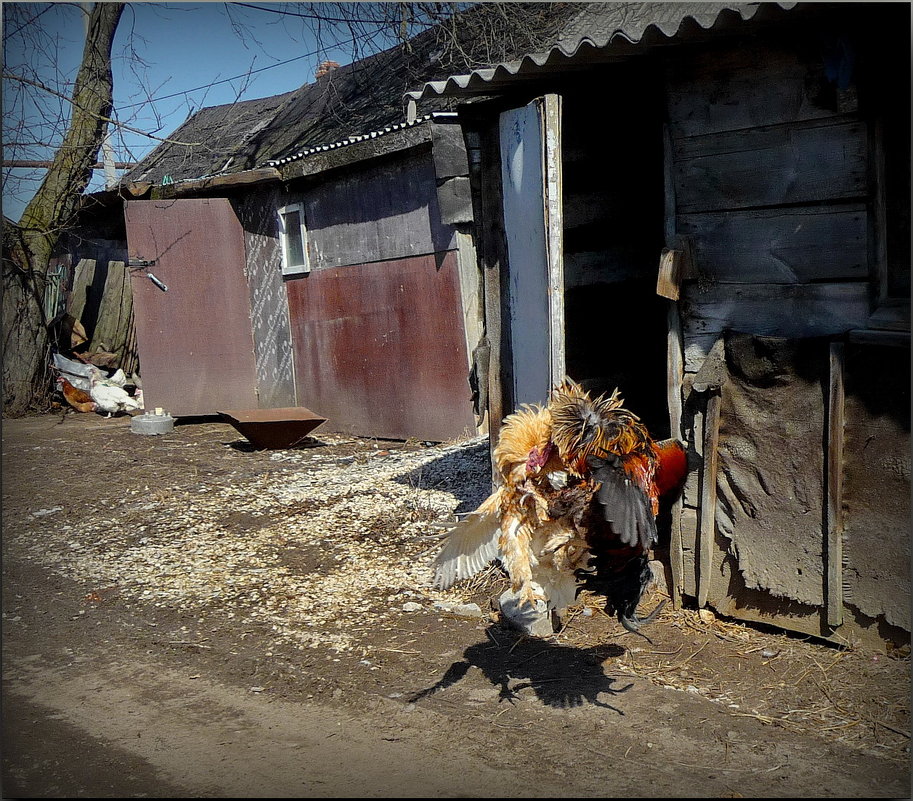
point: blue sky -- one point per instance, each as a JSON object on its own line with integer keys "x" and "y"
{"x": 185, "y": 55}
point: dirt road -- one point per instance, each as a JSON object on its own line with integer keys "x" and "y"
{"x": 184, "y": 616}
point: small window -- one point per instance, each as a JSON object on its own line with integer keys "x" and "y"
{"x": 293, "y": 239}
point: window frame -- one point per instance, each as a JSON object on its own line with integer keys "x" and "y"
{"x": 289, "y": 269}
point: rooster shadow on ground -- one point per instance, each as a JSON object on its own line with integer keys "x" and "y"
{"x": 456, "y": 472}
{"x": 560, "y": 676}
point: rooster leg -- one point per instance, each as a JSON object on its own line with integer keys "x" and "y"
{"x": 633, "y": 623}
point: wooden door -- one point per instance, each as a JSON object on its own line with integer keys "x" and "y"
{"x": 530, "y": 142}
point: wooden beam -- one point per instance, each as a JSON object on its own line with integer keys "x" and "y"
{"x": 245, "y": 178}
{"x": 707, "y": 532}
{"x": 833, "y": 590}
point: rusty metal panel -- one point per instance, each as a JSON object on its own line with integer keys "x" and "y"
{"x": 194, "y": 340}
{"x": 380, "y": 349}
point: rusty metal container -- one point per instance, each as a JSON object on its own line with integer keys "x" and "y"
{"x": 274, "y": 428}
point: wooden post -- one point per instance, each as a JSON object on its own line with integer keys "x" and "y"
{"x": 675, "y": 367}
{"x": 485, "y": 186}
{"x": 671, "y": 264}
{"x": 833, "y": 489}
{"x": 707, "y": 534}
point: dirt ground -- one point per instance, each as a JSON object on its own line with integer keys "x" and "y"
{"x": 186, "y": 616}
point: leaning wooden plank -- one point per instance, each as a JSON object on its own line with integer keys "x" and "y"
{"x": 780, "y": 246}
{"x": 833, "y": 488}
{"x": 707, "y": 533}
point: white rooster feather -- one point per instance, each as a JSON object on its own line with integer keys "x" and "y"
{"x": 109, "y": 397}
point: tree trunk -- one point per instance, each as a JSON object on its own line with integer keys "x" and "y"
{"x": 29, "y": 245}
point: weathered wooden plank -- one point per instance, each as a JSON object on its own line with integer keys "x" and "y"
{"x": 473, "y": 308}
{"x": 455, "y": 200}
{"x": 184, "y": 188}
{"x": 384, "y": 211}
{"x": 803, "y": 163}
{"x": 697, "y": 346}
{"x": 800, "y": 310}
{"x": 834, "y": 490}
{"x": 449, "y": 150}
{"x": 551, "y": 106}
{"x": 738, "y": 87}
{"x": 689, "y": 527}
{"x": 785, "y": 246}
{"x": 485, "y": 167}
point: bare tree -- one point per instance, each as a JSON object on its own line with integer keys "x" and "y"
{"x": 28, "y": 245}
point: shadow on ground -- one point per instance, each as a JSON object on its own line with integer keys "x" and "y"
{"x": 456, "y": 472}
{"x": 559, "y": 675}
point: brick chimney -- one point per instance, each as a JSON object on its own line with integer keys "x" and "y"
{"x": 324, "y": 68}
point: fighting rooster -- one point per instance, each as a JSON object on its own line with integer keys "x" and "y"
{"x": 576, "y": 505}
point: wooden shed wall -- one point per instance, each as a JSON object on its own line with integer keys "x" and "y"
{"x": 771, "y": 187}
{"x": 772, "y": 196}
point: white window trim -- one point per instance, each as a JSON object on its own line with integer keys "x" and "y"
{"x": 293, "y": 269}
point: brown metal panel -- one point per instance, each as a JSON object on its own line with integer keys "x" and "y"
{"x": 194, "y": 340}
{"x": 380, "y": 348}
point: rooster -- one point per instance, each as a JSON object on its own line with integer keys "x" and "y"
{"x": 580, "y": 483}
{"x": 77, "y": 398}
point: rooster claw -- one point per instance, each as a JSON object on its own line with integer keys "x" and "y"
{"x": 634, "y": 623}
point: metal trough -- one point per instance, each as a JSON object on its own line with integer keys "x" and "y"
{"x": 274, "y": 428}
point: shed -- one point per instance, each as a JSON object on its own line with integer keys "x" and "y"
{"x": 708, "y": 206}
{"x": 311, "y": 249}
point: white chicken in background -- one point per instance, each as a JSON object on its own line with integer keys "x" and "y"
{"x": 109, "y": 397}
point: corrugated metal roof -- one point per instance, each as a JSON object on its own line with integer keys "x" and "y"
{"x": 367, "y": 95}
{"x": 351, "y": 140}
{"x": 600, "y": 31}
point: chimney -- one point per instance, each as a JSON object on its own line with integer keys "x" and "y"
{"x": 324, "y": 68}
